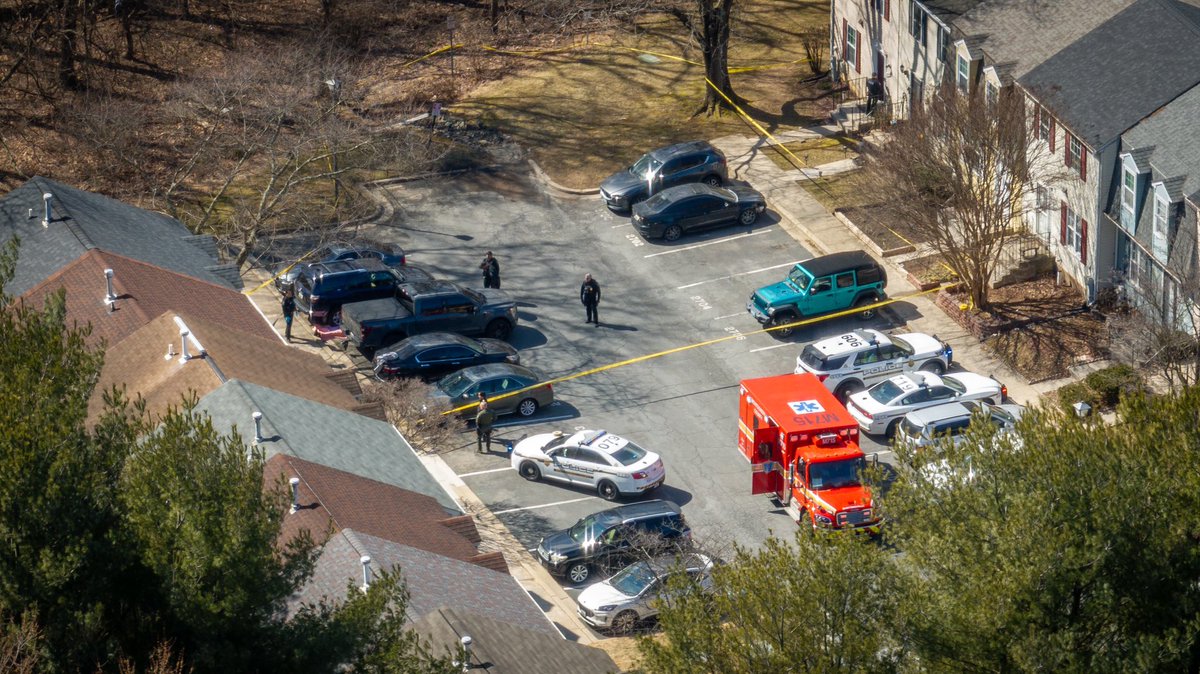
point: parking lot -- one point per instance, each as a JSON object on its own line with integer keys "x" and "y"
{"x": 656, "y": 297}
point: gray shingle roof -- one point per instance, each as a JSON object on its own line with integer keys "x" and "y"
{"x": 433, "y": 581}
{"x": 947, "y": 10}
{"x": 322, "y": 434}
{"x": 500, "y": 648}
{"x": 1172, "y": 136}
{"x": 82, "y": 221}
{"x": 1106, "y": 81}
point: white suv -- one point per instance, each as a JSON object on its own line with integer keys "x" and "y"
{"x": 851, "y": 362}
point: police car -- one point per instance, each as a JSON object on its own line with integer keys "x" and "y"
{"x": 610, "y": 464}
{"x": 849, "y": 363}
{"x": 879, "y": 409}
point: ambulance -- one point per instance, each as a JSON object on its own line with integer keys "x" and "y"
{"x": 803, "y": 451}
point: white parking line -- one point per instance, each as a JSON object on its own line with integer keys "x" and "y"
{"x": 718, "y": 318}
{"x": 623, "y": 224}
{"x": 538, "y": 420}
{"x": 742, "y": 273}
{"x": 485, "y": 472}
{"x": 709, "y": 243}
{"x": 545, "y": 505}
{"x": 764, "y": 348}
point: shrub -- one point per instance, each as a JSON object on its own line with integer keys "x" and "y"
{"x": 1077, "y": 392}
{"x": 1113, "y": 382}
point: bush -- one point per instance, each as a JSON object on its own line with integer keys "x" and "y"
{"x": 1102, "y": 388}
{"x": 1077, "y": 392}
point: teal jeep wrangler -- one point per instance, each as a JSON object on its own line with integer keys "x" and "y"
{"x": 818, "y": 286}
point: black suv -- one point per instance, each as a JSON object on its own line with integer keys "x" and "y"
{"x": 692, "y": 162}
{"x": 610, "y": 539}
{"x": 323, "y": 288}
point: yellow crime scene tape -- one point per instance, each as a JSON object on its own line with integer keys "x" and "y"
{"x": 688, "y": 347}
{"x": 279, "y": 273}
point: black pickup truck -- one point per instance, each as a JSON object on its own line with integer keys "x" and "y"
{"x": 428, "y": 306}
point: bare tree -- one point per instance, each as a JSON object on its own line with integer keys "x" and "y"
{"x": 1155, "y": 324}
{"x": 710, "y": 28}
{"x": 962, "y": 172}
{"x": 19, "y": 644}
{"x": 816, "y": 45}
{"x": 407, "y": 404}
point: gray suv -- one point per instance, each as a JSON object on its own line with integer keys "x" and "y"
{"x": 696, "y": 161}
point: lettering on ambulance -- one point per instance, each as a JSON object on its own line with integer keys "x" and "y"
{"x": 815, "y": 419}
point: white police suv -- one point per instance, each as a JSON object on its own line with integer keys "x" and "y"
{"x": 849, "y": 363}
{"x": 610, "y": 464}
{"x": 879, "y": 409}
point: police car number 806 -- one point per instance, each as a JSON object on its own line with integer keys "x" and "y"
{"x": 851, "y": 362}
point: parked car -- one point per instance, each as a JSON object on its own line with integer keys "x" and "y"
{"x": 849, "y": 363}
{"x": 610, "y": 464}
{"x": 431, "y": 306}
{"x": 494, "y": 380}
{"x": 286, "y": 275}
{"x": 879, "y": 409}
{"x": 819, "y": 286}
{"x": 610, "y": 539}
{"x": 922, "y": 428}
{"x": 692, "y": 162}
{"x": 437, "y": 353}
{"x": 636, "y": 593}
{"x": 687, "y": 208}
{"x": 323, "y": 288}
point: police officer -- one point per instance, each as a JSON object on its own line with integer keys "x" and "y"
{"x": 483, "y": 426}
{"x": 589, "y": 294}
{"x": 289, "y": 308}
{"x": 491, "y": 271}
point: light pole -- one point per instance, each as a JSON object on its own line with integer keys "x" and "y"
{"x": 335, "y": 88}
{"x": 450, "y": 27}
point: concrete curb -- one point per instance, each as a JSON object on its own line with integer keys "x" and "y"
{"x": 545, "y": 179}
{"x": 869, "y": 242}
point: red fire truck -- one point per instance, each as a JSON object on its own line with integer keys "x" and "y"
{"x": 803, "y": 450}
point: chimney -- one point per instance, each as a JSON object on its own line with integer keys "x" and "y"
{"x": 110, "y": 298}
{"x": 46, "y": 197}
{"x": 295, "y": 482}
{"x": 258, "y": 436}
{"x": 366, "y": 564}
{"x": 184, "y": 356}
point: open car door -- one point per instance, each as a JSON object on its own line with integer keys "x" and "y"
{"x": 766, "y": 462}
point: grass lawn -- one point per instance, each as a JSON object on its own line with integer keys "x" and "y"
{"x": 813, "y": 153}
{"x": 585, "y": 114}
{"x": 844, "y": 190}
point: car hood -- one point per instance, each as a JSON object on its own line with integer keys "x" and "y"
{"x": 976, "y": 384}
{"x": 560, "y": 542}
{"x": 777, "y": 293}
{"x": 922, "y": 343}
{"x": 497, "y": 346}
{"x": 745, "y": 194}
{"x": 531, "y": 447}
{"x": 496, "y": 298}
{"x": 842, "y": 498}
{"x": 623, "y": 182}
{"x": 602, "y": 594}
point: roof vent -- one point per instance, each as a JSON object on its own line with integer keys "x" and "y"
{"x": 170, "y": 351}
{"x": 366, "y": 565}
{"x": 295, "y": 482}
{"x": 110, "y": 297}
{"x": 258, "y": 436}
{"x": 46, "y": 197}
{"x": 185, "y": 336}
{"x": 184, "y": 356}
{"x": 466, "y": 642}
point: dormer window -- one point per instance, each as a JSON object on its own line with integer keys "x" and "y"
{"x": 1129, "y": 199}
{"x": 963, "y": 78}
{"x": 991, "y": 94}
{"x": 1162, "y": 210}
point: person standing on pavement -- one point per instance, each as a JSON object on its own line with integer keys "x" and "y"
{"x": 589, "y": 294}
{"x": 484, "y": 417}
{"x": 289, "y": 308}
{"x": 491, "y": 271}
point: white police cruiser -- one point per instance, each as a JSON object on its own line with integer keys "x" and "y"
{"x": 879, "y": 409}
{"x": 849, "y": 363}
{"x": 610, "y": 464}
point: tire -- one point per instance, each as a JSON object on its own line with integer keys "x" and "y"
{"x": 530, "y": 471}
{"x": 624, "y": 622}
{"x": 527, "y": 407}
{"x": 934, "y": 366}
{"x": 607, "y": 490}
{"x": 890, "y": 431}
{"x": 847, "y": 389}
{"x": 748, "y": 217}
{"x": 672, "y": 233}
{"x": 865, "y": 314}
{"x": 713, "y": 180}
{"x": 783, "y": 319}
{"x": 579, "y": 572}
{"x": 498, "y": 329}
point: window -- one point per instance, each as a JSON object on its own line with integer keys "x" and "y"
{"x": 852, "y": 47}
{"x": 943, "y": 45}
{"x": 963, "y": 79}
{"x": 1162, "y": 208}
{"x": 883, "y": 8}
{"x": 1074, "y": 232}
{"x": 1128, "y": 197}
{"x": 1046, "y": 126}
{"x": 919, "y": 22}
{"x": 1076, "y": 157}
{"x": 991, "y": 94}
{"x": 845, "y": 280}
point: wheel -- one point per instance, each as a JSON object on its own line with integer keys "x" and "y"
{"x": 624, "y": 622}
{"x": 934, "y": 366}
{"x": 891, "y": 429}
{"x": 607, "y": 490}
{"x": 713, "y": 180}
{"x": 748, "y": 217}
{"x": 528, "y": 407}
{"x": 847, "y": 389}
{"x": 578, "y": 572}
{"x": 498, "y": 329}
{"x": 783, "y": 319}
{"x": 672, "y": 233}
{"x": 865, "y": 314}
{"x": 530, "y": 471}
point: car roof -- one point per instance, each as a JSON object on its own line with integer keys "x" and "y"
{"x": 438, "y": 338}
{"x": 646, "y": 509}
{"x": 841, "y": 344}
{"x": 343, "y": 266}
{"x": 477, "y": 372}
{"x": 688, "y": 560}
{"x": 672, "y": 151}
{"x": 932, "y": 415}
{"x": 431, "y": 287}
{"x": 685, "y": 190}
{"x": 830, "y": 264}
{"x": 588, "y": 439}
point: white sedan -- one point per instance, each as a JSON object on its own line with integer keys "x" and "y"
{"x": 610, "y": 464}
{"x": 879, "y": 409}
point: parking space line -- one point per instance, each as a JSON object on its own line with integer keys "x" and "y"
{"x": 522, "y": 422}
{"x": 768, "y": 348}
{"x": 721, "y": 318}
{"x": 623, "y": 224}
{"x": 545, "y": 505}
{"x": 709, "y": 243}
{"x": 485, "y": 472}
{"x": 741, "y": 273}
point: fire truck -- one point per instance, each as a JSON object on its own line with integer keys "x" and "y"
{"x": 803, "y": 451}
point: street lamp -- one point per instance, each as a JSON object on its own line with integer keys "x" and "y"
{"x": 335, "y": 89}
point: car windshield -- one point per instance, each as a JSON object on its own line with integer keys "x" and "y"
{"x": 554, "y": 443}
{"x": 590, "y": 527}
{"x": 656, "y": 202}
{"x": 814, "y": 359}
{"x": 834, "y": 474}
{"x": 1000, "y": 415}
{"x": 629, "y": 454}
{"x": 727, "y": 193}
{"x": 885, "y": 391}
{"x": 799, "y": 278}
{"x": 633, "y": 579}
{"x": 906, "y": 348}
{"x": 455, "y": 384}
{"x": 645, "y": 166}
{"x": 475, "y": 295}
{"x": 954, "y": 384}
{"x": 910, "y": 429}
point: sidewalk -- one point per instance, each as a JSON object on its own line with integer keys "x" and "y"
{"x": 818, "y": 230}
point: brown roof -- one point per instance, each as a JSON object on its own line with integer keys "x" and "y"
{"x": 331, "y": 500}
{"x": 139, "y": 362}
{"x": 144, "y": 292}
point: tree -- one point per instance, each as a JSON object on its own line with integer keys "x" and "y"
{"x": 962, "y": 172}
{"x": 816, "y": 605}
{"x": 1154, "y": 324}
{"x": 710, "y": 28}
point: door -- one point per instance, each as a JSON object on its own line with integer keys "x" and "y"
{"x": 444, "y": 358}
{"x": 766, "y": 462}
{"x": 820, "y": 296}
{"x": 561, "y": 464}
{"x": 459, "y": 316}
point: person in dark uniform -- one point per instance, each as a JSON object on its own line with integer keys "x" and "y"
{"x": 484, "y": 417}
{"x": 589, "y": 294}
{"x": 289, "y": 308}
{"x": 491, "y": 271}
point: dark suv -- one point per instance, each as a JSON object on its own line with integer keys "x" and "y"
{"x": 692, "y": 162}
{"x": 610, "y": 539}
{"x": 323, "y": 288}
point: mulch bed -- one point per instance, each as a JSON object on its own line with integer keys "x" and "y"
{"x": 883, "y": 226}
{"x": 929, "y": 271}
